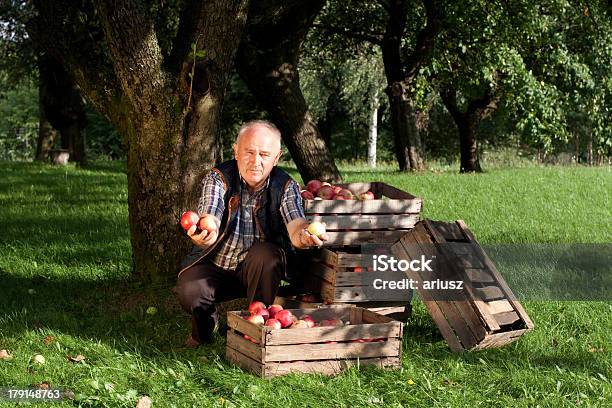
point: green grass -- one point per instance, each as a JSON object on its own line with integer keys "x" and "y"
{"x": 64, "y": 234}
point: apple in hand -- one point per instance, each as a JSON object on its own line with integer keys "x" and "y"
{"x": 255, "y": 307}
{"x": 316, "y": 228}
{"x": 189, "y": 219}
{"x": 207, "y": 224}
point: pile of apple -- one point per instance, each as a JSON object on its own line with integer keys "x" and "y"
{"x": 317, "y": 190}
{"x": 278, "y": 318}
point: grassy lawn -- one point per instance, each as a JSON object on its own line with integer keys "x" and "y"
{"x": 65, "y": 290}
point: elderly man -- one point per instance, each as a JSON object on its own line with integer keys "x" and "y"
{"x": 254, "y": 217}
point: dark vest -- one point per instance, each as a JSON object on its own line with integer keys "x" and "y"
{"x": 268, "y": 218}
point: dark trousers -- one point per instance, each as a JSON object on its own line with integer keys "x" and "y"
{"x": 201, "y": 286}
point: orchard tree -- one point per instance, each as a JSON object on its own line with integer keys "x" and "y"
{"x": 158, "y": 71}
{"x": 406, "y": 32}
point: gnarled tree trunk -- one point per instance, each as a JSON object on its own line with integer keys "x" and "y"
{"x": 170, "y": 127}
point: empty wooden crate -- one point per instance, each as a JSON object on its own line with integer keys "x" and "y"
{"x": 485, "y": 312}
{"x": 369, "y": 339}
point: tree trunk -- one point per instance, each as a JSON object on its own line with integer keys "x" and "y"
{"x": 373, "y": 133}
{"x": 590, "y": 148}
{"x": 63, "y": 106}
{"x": 267, "y": 62}
{"x": 46, "y": 133}
{"x": 406, "y": 138}
{"x": 468, "y": 145}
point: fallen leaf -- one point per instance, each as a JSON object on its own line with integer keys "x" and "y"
{"x": 595, "y": 350}
{"x": 4, "y": 355}
{"x": 76, "y": 359}
{"x": 68, "y": 394}
{"x": 48, "y": 340}
{"x": 410, "y": 381}
{"x": 42, "y": 386}
{"x": 144, "y": 402}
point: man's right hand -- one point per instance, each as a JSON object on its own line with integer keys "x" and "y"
{"x": 205, "y": 238}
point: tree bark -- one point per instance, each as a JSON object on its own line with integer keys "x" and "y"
{"x": 267, "y": 62}
{"x": 170, "y": 137}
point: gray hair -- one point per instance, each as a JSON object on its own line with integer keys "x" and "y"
{"x": 263, "y": 123}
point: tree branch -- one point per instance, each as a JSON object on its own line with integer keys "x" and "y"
{"x": 425, "y": 39}
{"x": 371, "y": 37}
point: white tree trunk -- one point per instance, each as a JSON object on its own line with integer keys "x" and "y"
{"x": 373, "y": 133}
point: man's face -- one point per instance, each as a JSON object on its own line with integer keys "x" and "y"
{"x": 257, "y": 152}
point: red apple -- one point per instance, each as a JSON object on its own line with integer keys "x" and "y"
{"x": 263, "y": 313}
{"x": 249, "y": 338}
{"x": 273, "y": 310}
{"x": 368, "y": 195}
{"x": 357, "y": 269}
{"x": 326, "y": 192}
{"x": 307, "y": 195}
{"x": 309, "y": 321}
{"x": 255, "y": 307}
{"x": 207, "y": 223}
{"x": 345, "y": 194}
{"x": 273, "y": 323}
{"x": 285, "y": 317}
{"x": 189, "y": 219}
{"x": 337, "y": 189}
{"x": 257, "y": 319}
{"x": 313, "y": 186}
{"x": 300, "y": 324}
{"x": 325, "y": 183}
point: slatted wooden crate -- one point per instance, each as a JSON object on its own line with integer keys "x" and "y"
{"x": 486, "y": 314}
{"x": 325, "y": 350}
{"x": 342, "y": 276}
{"x": 352, "y": 222}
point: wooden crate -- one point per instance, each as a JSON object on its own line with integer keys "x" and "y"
{"x": 353, "y": 222}
{"x": 334, "y": 275}
{"x": 283, "y": 351}
{"x": 486, "y": 314}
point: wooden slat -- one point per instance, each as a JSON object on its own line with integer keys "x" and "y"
{"x": 479, "y": 275}
{"x": 324, "y": 255}
{"x": 501, "y": 281}
{"x": 489, "y": 293}
{"x": 349, "y": 260}
{"x": 328, "y": 367}
{"x": 412, "y": 206}
{"x": 326, "y": 290}
{"x": 367, "y": 278}
{"x": 323, "y": 351}
{"x": 371, "y": 317}
{"x": 246, "y": 363}
{"x": 339, "y": 238}
{"x": 246, "y": 347}
{"x": 366, "y": 221}
{"x": 500, "y": 339}
{"x": 333, "y": 333}
{"x": 236, "y": 322}
{"x": 450, "y": 232}
{"x": 506, "y": 318}
{"x": 395, "y": 193}
{"x": 368, "y": 293}
{"x": 500, "y": 306}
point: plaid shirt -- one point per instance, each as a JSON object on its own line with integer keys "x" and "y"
{"x": 243, "y": 232}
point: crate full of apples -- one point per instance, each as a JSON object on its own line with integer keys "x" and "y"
{"x": 357, "y": 213}
{"x": 272, "y": 341}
